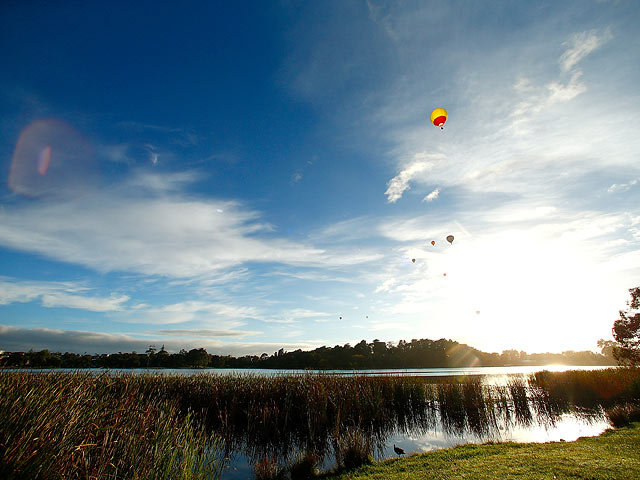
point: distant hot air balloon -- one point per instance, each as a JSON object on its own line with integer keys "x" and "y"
{"x": 413, "y": 260}
{"x": 450, "y": 239}
{"x": 438, "y": 117}
{"x": 445, "y": 274}
{"x": 433, "y": 242}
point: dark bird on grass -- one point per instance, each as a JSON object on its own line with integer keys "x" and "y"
{"x": 398, "y": 450}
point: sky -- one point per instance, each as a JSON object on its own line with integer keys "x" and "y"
{"x": 250, "y": 176}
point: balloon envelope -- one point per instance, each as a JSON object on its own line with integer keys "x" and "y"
{"x": 413, "y": 260}
{"x": 450, "y": 238}
{"x": 433, "y": 242}
{"x": 438, "y": 117}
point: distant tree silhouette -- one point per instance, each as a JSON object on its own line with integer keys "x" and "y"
{"x": 418, "y": 353}
{"x": 626, "y": 331}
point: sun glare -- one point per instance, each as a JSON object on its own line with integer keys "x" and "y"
{"x": 527, "y": 288}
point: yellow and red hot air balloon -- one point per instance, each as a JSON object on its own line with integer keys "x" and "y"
{"x": 438, "y": 117}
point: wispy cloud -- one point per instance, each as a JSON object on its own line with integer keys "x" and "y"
{"x": 57, "y": 294}
{"x": 400, "y": 183}
{"x": 582, "y": 44}
{"x": 203, "y": 333}
{"x": 535, "y": 100}
{"x": 622, "y": 187}
{"x": 147, "y": 225}
{"x": 94, "y": 304}
{"x": 304, "y": 313}
{"x": 188, "y": 311}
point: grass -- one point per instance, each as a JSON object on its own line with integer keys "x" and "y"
{"x": 613, "y": 455}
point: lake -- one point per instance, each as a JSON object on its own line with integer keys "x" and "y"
{"x": 489, "y": 375}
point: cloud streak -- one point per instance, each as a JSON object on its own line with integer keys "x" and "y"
{"x": 202, "y": 333}
{"x": 57, "y": 295}
{"x": 400, "y": 183}
{"x": 580, "y": 45}
{"x": 79, "y": 341}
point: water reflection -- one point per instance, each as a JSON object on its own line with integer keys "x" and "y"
{"x": 421, "y": 418}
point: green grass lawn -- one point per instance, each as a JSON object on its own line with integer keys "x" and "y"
{"x": 613, "y": 455}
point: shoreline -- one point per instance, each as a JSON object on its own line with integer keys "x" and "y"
{"x": 611, "y": 455}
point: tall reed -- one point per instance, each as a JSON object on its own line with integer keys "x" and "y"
{"x": 589, "y": 389}
{"x": 79, "y": 426}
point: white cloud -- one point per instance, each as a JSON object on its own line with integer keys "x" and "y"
{"x": 226, "y": 314}
{"x": 57, "y": 294}
{"x": 622, "y": 187}
{"x": 398, "y": 184}
{"x": 386, "y": 285}
{"x": 432, "y": 196}
{"x": 535, "y": 101}
{"x": 94, "y": 304}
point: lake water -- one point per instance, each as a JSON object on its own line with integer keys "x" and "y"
{"x": 489, "y": 375}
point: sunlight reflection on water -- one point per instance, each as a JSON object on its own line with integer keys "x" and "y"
{"x": 568, "y": 427}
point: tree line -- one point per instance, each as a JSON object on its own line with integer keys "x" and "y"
{"x": 418, "y": 353}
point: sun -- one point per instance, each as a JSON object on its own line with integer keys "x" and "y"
{"x": 532, "y": 292}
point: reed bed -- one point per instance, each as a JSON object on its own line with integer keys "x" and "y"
{"x": 170, "y": 426}
{"x": 285, "y": 417}
{"x": 55, "y": 426}
{"x": 587, "y": 389}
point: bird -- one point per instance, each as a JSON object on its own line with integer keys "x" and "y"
{"x": 398, "y": 450}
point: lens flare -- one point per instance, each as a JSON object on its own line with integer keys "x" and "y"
{"x": 44, "y": 159}
{"x": 51, "y": 158}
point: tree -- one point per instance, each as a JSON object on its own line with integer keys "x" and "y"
{"x": 607, "y": 347}
{"x": 626, "y": 331}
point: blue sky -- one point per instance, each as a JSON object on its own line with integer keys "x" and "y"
{"x": 251, "y": 176}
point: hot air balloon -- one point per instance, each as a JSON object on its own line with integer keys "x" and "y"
{"x": 445, "y": 274}
{"x": 450, "y": 239}
{"x": 438, "y": 117}
{"x": 413, "y": 260}
{"x": 433, "y": 242}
